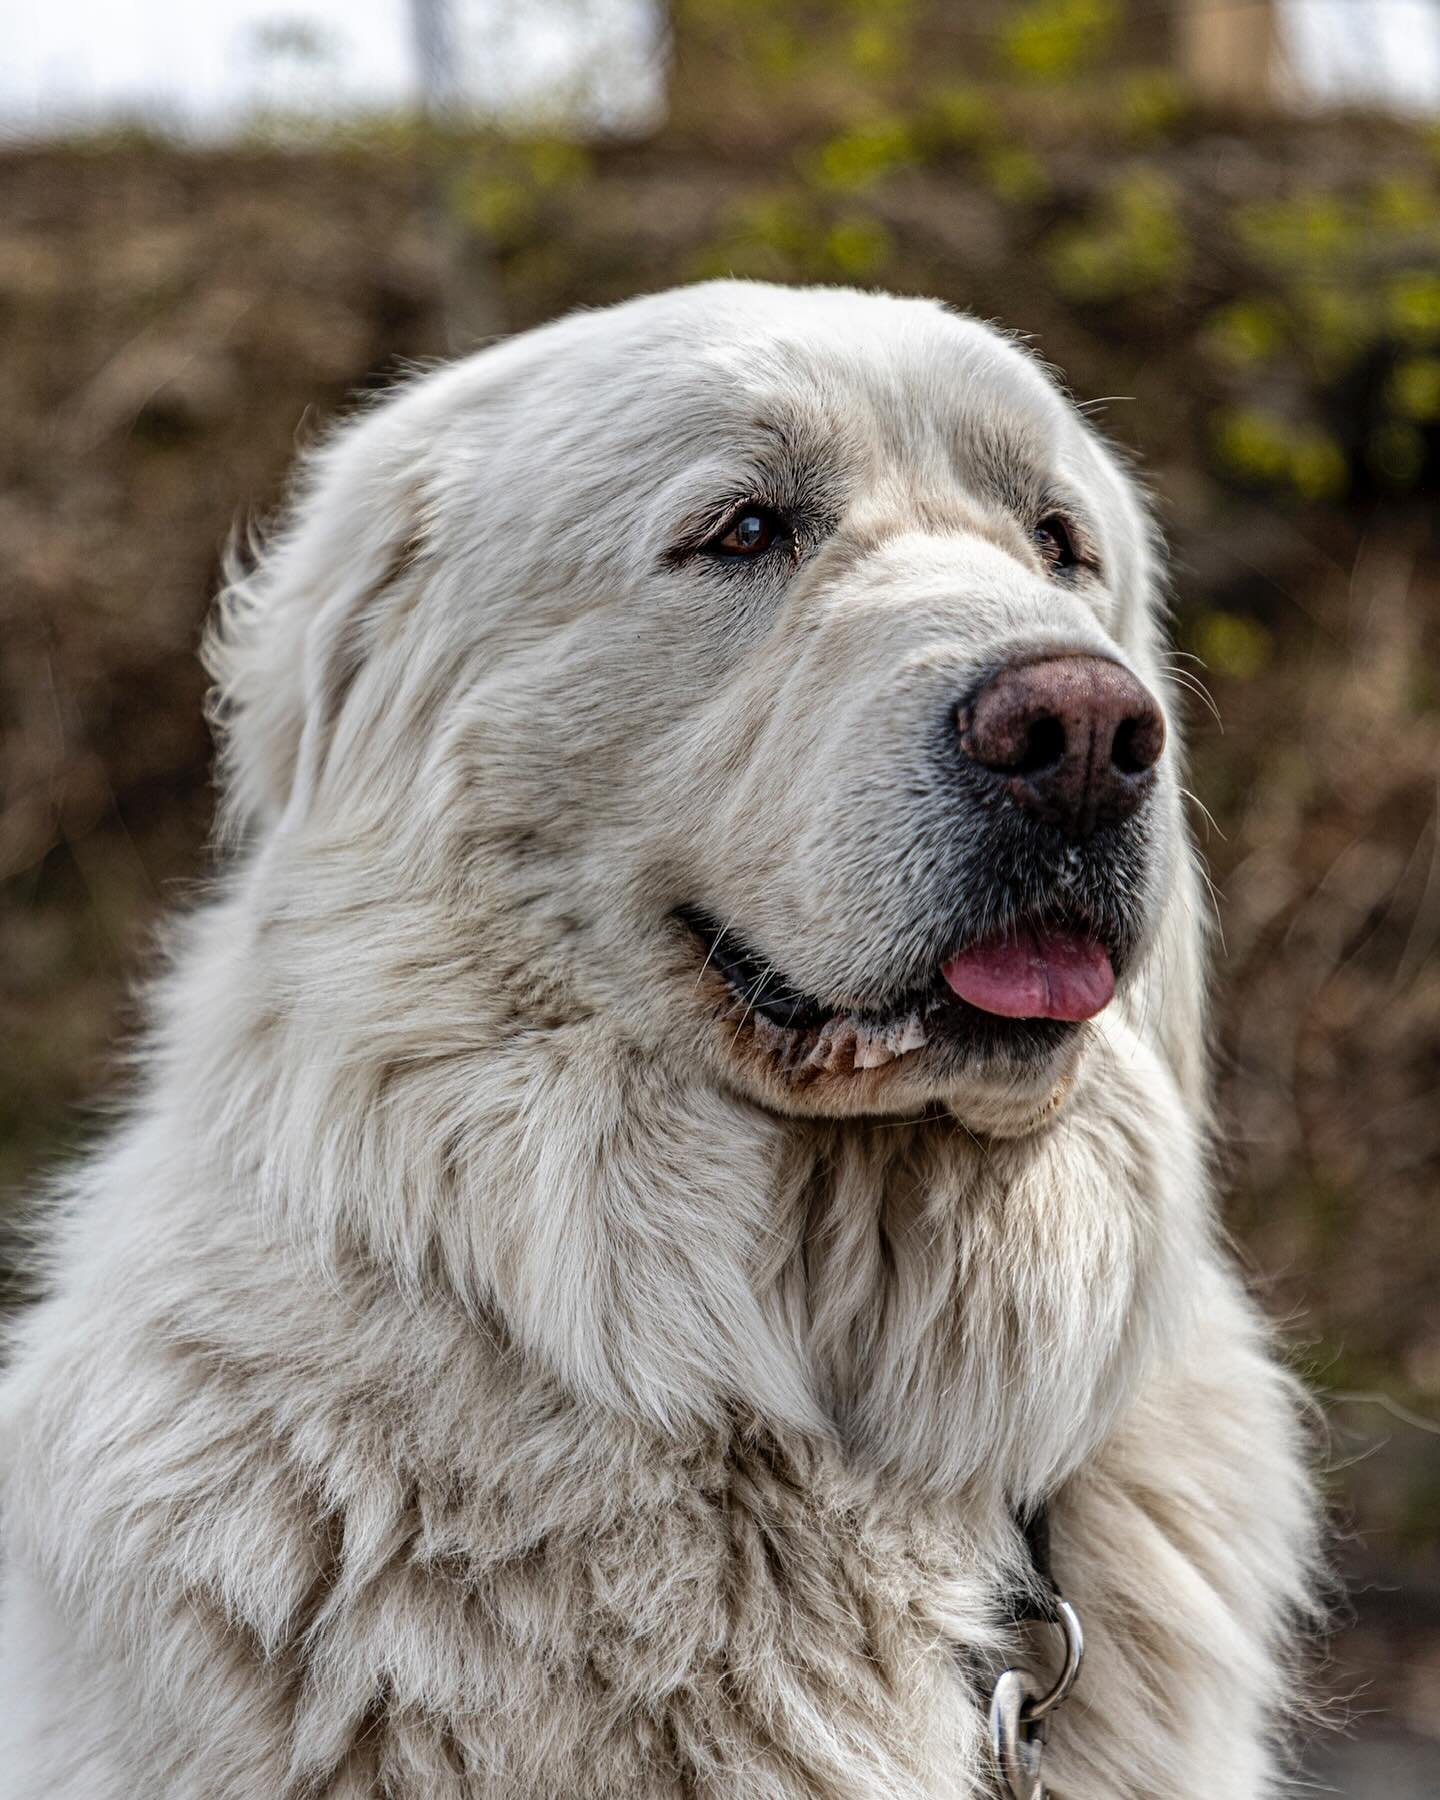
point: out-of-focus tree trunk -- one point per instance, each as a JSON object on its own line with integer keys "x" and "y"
{"x": 1229, "y": 50}
{"x": 432, "y": 28}
{"x": 471, "y": 286}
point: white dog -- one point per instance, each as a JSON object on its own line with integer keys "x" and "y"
{"x": 683, "y": 1129}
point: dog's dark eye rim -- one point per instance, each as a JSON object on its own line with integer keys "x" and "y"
{"x": 1061, "y": 543}
{"x": 713, "y": 538}
{"x": 747, "y": 532}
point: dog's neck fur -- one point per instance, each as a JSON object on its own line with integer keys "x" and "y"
{"x": 943, "y": 1311}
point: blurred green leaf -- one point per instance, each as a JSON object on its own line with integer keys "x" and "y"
{"x": 1137, "y": 243}
{"x": 1051, "y": 39}
{"x": 1015, "y": 173}
{"x": 857, "y": 247}
{"x": 1414, "y": 305}
{"x": 1247, "y": 332}
{"x": 1260, "y": 447}
{"x": 1414, "y": 387}
{"x": 857, "y": 158}
{"x": 1233, "y": 645}
{"x": 1395, "y": 452}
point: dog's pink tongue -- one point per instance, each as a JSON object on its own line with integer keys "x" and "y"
{"x": 1037, "y": 975}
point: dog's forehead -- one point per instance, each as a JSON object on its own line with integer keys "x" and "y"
{"x": 698, "y": 392}
{"x": 906, "y": 366}
{"x": 865, "y": 380}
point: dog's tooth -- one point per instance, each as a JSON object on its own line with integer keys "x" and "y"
{"x": 842, "y": 1050}
{"x": 837, "y": 1036}
{"x": 872, "y": 1051}
{"x": 820, "y": 1049}
{"x": 913, "y": 1035}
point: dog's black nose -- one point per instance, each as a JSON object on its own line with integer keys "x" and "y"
{"x": 1073, "y": 739}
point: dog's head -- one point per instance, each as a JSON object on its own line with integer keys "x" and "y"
{"x": 772, "y": 673}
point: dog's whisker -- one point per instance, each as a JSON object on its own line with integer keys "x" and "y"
{"x": 1182, "y": 678}
{"x": 1204, "y": 811}
{"x": 710, "y": 953}
{"x": 754, "y": 1001}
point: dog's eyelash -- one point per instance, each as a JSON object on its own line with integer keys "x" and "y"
{"x": 1071, "y": 548}
{"x": 775, "y": 532}
{"x": 707, "y": 539}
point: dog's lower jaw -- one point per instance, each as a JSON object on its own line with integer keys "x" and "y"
{"x": 1016, "y": 1109}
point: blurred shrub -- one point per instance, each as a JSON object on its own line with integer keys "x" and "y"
{"x": 1052, "y": 39}
{"x": 1232, "y": 645}
{"x": 777, "y": 237}
{"x": 505, "y": 188}
{"x": 1261, "y": 448}
{"x": 857, "y": 158}
{"x": 1136, "y": 243}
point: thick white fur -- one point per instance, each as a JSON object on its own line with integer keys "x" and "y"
{"x": 470, "y": 1371}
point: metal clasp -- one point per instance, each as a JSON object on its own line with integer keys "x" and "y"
{"x": 1019, "y": 1711}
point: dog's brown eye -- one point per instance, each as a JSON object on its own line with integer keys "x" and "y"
{"x": 751, "y": 534}
{"x": 1056, "y": 542}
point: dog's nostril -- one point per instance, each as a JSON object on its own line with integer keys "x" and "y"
{"x": 1043, "y": 748}
{"x": 1137, "y": 744}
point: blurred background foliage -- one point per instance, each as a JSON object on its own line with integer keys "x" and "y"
{"x": 1243, "y": 291}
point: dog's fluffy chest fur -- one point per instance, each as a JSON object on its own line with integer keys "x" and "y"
{"x": 412, "y": 1561}
{"x": 414, "y": 1565}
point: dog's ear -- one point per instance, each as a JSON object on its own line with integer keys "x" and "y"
{"x": 294, "y": 616}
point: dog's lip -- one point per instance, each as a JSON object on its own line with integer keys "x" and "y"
{"x": 754, "y": 980}
{"x": 795, "y": 1025}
